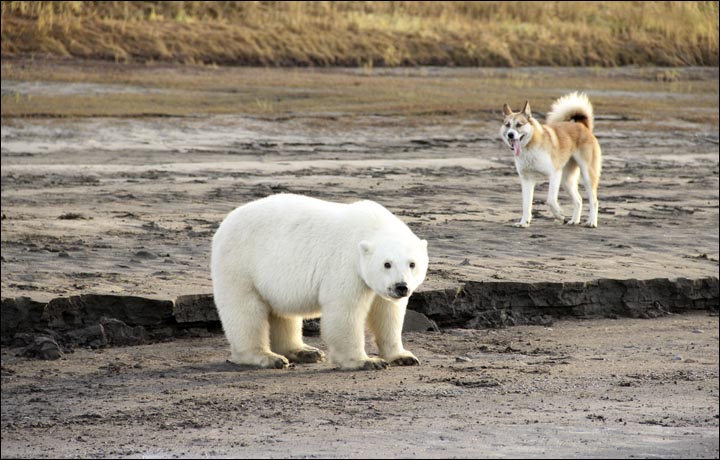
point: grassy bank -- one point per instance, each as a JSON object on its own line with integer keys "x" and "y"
{"x": 368, "y": 33}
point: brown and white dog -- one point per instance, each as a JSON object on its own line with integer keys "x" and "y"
{"x": 560, "y": 150}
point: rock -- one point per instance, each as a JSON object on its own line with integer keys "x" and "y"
{"x": 74, "y": 312}
{"x": 119, "y": 333}
{"x": 41, "y": 347}
{"x": 91, "y": 336}
{"x": 196, "y": 332}
{"x": 499, "y": 304}
{"x": 463, "y": 359}
{"x": 23, "y": 339}
{"x": 417, "y": 322}
{"x": 20, "y": 315}
{"x": 71, "y": 216}
{"x": 195, "y": 308}
{"x": 311, "y": 327}
{"x": 99, "y": 320}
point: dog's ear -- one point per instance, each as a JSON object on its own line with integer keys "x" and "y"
{"x": 526, "y": 110}
{"x": 506, "y": 110}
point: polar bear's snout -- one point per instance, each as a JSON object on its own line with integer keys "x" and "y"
{"x": 401, "y": 290}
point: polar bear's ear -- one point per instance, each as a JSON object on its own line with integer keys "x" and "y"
{"x": 366, "y": 247}
{"x": 423, "y": 243}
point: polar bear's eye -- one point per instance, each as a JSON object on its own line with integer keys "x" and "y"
{"x": 388, "y": 265}
{"x": 412, "y": 264}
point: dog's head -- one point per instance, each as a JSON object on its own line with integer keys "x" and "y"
{"x": 516, "y": 130}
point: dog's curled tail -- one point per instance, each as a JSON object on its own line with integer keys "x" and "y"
{"x": 572, "y": 107}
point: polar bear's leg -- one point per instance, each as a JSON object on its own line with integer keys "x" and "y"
{"x": 343, "y": 329}
{"x": 286, "y": 340}
{"x": 386, "y": 322}
{"x": 244, "y": 317}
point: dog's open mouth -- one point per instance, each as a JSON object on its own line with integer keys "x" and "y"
{"x": 515, "y": 144}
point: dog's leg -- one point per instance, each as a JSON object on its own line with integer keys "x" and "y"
{"x": 553, "y": 190}
{"x": 571, "y": 174}
{"x": 591, "y": 181}
{"x": 528, "y": 189}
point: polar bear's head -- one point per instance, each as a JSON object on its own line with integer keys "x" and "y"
{"x": 393, "y": 268}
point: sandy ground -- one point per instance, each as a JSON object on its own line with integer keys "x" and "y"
{"x": 129, "y": 205}
{"x": 599, "y": 388}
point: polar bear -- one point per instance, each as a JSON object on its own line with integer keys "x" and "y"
{"x": 287, "y": 257}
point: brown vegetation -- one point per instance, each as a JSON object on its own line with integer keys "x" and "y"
{"x": 368, "y": 33}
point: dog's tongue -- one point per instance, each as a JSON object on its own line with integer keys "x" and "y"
{"x": 516, "y": 147}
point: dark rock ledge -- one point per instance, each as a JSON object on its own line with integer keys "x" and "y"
{"x": 48, "y": 330}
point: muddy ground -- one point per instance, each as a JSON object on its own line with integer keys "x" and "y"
{"x": 128, "y": 205}
{"x": 600, "y": 388}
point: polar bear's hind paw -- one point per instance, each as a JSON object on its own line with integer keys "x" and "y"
{"x": 374, "y": 364}
{"x": 307, "y": 355}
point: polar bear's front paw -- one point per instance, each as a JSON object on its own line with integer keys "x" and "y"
{"x": 263, "y": 361}
{"x": 405, "y": 360}
{"x": 278, "y": 363}
{"x": 369, "y": 364}
{"x": 307, "y": 355}
{"x": 373, "y": 364}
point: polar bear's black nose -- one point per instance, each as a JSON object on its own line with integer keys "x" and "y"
{"x": 401, "y": 289}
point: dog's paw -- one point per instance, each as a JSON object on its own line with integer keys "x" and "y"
{"x": 572, "y": 222}
{"x": 557, "y": 213}
{"x": 589, "y": 224}
{"x": 521, "y": 224}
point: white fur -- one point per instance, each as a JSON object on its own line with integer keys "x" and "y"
{"x": 571, "y": 103}
{"x": 537, "y": 160}
{"x": 285, "y": 257}
{"x": 533, "y": 166}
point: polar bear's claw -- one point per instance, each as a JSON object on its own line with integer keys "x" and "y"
{"x": 405, "y": 361}
{"x": 372, "y": 364}
{"x": 279, "y": 364}
{"x": 307, "y": 356}
{"x": 263, "y": 361}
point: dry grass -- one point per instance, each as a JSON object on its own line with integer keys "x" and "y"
{"x": 368, "y": 34}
